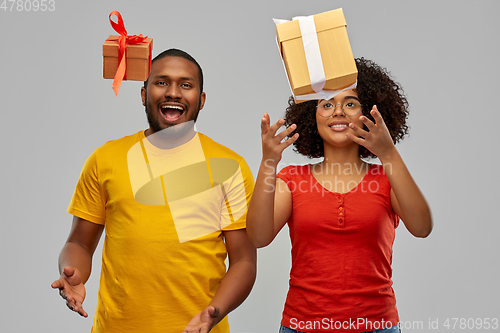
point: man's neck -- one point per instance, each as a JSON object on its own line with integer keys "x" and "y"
{"x": 171, "y": 137}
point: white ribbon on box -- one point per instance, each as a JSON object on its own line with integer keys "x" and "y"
{"x": 314, "y": 61}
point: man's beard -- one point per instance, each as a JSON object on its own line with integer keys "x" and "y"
{"x": 154, "y": 123}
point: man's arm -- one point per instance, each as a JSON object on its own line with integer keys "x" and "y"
{"x": 234, "y": 287}
{"x": 75, "y": 262}
{"x": 240, "y": 277}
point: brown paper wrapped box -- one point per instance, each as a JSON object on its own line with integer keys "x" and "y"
{"x": 138, "y": 59}
{"x": 338, "y": 62}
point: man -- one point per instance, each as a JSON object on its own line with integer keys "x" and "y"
{"x": 173, "y": 204}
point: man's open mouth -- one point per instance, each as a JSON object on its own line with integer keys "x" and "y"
{"x": 171, "y": 112}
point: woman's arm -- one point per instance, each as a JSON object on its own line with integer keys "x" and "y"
{"x": 270, "y": 207}
{"x": 406, "y": 198}
{"x": 271, "y": 204}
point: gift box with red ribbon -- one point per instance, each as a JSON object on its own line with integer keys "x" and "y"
{"x": 126, "y": 57}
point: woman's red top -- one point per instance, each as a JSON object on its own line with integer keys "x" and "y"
{"x": 340, "y": 280}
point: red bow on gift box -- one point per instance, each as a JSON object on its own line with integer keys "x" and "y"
{"x": 123, "y": 40}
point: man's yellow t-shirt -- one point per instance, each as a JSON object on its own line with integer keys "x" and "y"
{"x": 164, "y": 211}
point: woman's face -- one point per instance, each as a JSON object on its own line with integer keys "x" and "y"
{"x": 333, "y": 128}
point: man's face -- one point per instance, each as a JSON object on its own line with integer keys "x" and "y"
{"x": 173, "y": 93}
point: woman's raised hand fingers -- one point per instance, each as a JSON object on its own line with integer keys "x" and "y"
{"x": 360, "y": 141}
{"x": 270, "y": 130}
{"x": 358, "y": 130}
{"x": 368, "y": 123}
{"x": 286, "y": 132}
{"x": 271, "y": 139}
{"x": 377, "y": 116}
{"x": 265, "y": 123}
{"x": 276, "y": 126}
{"x": 290, "y": 141}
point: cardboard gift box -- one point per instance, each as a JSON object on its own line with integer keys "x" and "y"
{"x": 336, "y": 57}
{"x": 138, "y": 59}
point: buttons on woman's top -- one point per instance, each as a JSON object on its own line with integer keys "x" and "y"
{"x": 341, "y": 211}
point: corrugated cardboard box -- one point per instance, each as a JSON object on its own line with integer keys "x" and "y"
{"x": 138, "y": 59}
{"x": 338, "y": 62}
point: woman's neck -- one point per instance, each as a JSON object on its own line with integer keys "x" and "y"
{"x": 344, "y": 157}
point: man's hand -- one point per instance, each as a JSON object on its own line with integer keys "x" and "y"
{"x": 71, "y": 289}
{"x": 204, "y": 321}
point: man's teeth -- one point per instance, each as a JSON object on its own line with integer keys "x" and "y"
{"x": 172, "y": 107}
{"x": 339, "y": 125}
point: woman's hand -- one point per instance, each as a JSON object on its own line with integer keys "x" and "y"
{"x": 272, "y": 145}
{"x": 377, "y": 139}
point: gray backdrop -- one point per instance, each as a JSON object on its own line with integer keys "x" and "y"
{"x": 56, "y": 109}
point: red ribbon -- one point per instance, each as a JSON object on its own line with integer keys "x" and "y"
{"x": 123, "y": 40}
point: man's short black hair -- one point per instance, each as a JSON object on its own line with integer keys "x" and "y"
{"x": 181, "y": 54}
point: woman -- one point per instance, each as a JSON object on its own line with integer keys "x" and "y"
{"x": 342, "y": 212}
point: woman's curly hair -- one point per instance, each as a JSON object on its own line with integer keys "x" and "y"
{"x": 375, "y": 87}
